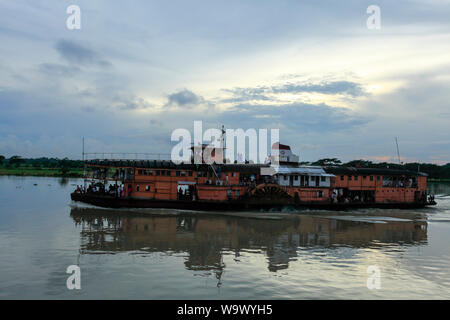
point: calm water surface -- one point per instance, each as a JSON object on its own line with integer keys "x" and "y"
{"x": 167, "y": 254}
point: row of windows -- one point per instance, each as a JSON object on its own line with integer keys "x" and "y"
{"x": 356, "y": 178}
{"x": 168, "y": 173}
{"x": 313, "y": 178}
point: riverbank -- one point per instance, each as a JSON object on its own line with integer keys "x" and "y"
{"x": 41, "y": 172}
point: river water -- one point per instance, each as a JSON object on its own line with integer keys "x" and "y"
{"x": 168, "y": 254}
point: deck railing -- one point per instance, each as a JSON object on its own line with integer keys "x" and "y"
{"x": 125, "y": 156}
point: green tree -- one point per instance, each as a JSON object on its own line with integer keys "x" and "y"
{"x": 16, "y": 160}
{"x": 2, "y": 158}
{"x": 360, "y": 163}
{"x": 327, "y": 162}
{"x": 64, "y": 166}
{"x": 37, "y": 166}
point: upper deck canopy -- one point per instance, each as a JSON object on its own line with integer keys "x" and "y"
{"x": 372, "y": 171}
{"x": 163, "y": 164}
{"x": 310, "y": 171}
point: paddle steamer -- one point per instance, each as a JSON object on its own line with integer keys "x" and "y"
{"x": 246, "y": 186}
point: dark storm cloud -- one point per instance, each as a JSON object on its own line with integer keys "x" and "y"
{"x": 77, "y": 54}
{"x": 184, "y": 98}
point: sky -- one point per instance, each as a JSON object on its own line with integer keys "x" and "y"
{"x": 137, "y": 70}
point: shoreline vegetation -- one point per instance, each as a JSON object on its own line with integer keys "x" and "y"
{"x": 41, "y": 167}
{"x": 66, "y": 168}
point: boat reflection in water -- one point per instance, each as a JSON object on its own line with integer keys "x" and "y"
{"x": 206, "y": 238}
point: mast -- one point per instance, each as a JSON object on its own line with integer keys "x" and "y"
{"x": 84, "y": 165}
{"x": 223, "y": 143}
{"x": 82, "y": 152}
{"x": 398, "y": 152}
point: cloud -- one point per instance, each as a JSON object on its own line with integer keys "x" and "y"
{"x": 135, "y": 104}
{"x": 296, "y": 117}
{"x": 184, "y": 98}
{"x": 246, "y": 94}
{"x": 54, "y": 69}
{"x": 292, "y": 66}
{"x": 269, "y": 93}
{"x": 335, "y": 87}
{"x": 77, "y": 54}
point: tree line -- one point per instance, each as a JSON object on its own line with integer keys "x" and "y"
{"x": 62, "y": 165}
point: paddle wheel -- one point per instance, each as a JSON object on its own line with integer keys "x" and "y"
{"x": 269, "y": 192}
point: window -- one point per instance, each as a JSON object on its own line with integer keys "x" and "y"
{"x": 137, "y": 188}
{"x": 312, "y": 178}
{"x": 296, "y": 178}
{"x": 233, "y": 174}
{"x": 319, "y": 194}
{"x": 139, "y": 171}
{"x": 349, "y": 178}
{"x": 356, "y": 178}
{"x": 158, "y": 173}
{"x": 323, "y": 179}
{"x": 149, "y": 172}
{"x": 183, "y": 173}
{"x": 190, "y": 173}
{"x": 342, "y": 178}
{"x": 378, "y": 178}
{"x": 371, "y": 178}
{"x": 237, "y": 193}
{"x": 145, "y": 172}
{"x": 147, "y": 188}
{"x": 177, "y": 173}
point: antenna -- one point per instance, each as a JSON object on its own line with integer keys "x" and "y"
{"x": 84, "y": 168}
{"x": 398, "y": 152}
{"x": 82, "y": 152}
